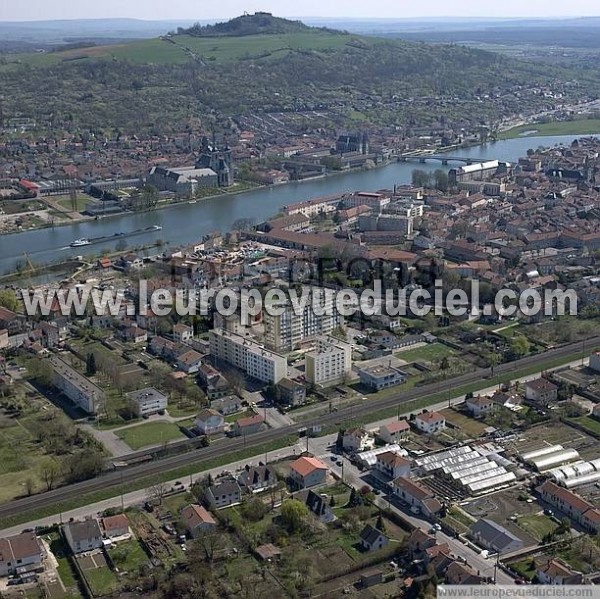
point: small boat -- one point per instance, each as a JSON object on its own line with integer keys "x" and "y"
{"x": 192, "y": 201}
{"x": 79, "y": 242}
{"x": 157, "y": 228}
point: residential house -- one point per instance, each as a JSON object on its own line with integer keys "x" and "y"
{"x": 392, "y": 465}
{"x": 148, "y": 401}
{"x": 317, "y": 504}
{"x": 197, "y": 520}
{"x": 291, "y": 393}
{"x": 494, "y": 537}
{"x": 11, "y": 321}
{"x": 554, "y": 571}
{"x": 115, "y": 526}
{"x": 83, "y": 536}
{"x": 131, "y": 262}
{"x": 576, "y": 508}
{"x": 189, "y": 362}
{"x": 541, "y": 392}
{"x": 213, "y": 382}
{"x": 224, "y": 494}
{"x": 227, "y": 405}
{"x": 417, "y": 495}
{"x": 20, "y": 551}
{"x": 356, "y": 440}
{"x": 396, "y": 431}
{"x": 182, "y": 333}
{"x": 372, "y": 539}
{"x": 210, "y": 422}
{"x": 135, "y": 334}
{"x": 248, "y": 426}
{"x": 430, "y": 422}
{"x": 254, "y": 479}
{"x": 480, "y": 406}
{"x": 308, "y": 472}
{"x": 459, "y": 573}
{"x": 418, "y": 542}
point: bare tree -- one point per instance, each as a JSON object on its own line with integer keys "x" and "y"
{"x": 157, "y": 492}
{"x": 49, "y": 472}
{"x": 237, "y": 380}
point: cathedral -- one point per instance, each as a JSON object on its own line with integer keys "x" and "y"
{"x": 219, "y": 161}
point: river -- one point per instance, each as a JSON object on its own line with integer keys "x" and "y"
{"x": 187, "y": 223}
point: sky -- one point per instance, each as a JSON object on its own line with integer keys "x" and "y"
{"x": 27, "y": 10}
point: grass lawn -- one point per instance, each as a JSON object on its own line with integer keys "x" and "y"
{"x": 102, "y": 581}
{"x": 180, "y": 411}
{"x": 589, "y": 424}
{"x": 174, "y": 503}
{"x": 426, "y": 353}
{"x": 579, "y": 127}
{"x": 468, "y": 425}
{"x": 59, "y": 551}
{"x": 128, "y": 556}
{"x": 235, "y": 417}
{"x": 524, "y": 567}
{"x": 151, "y": 433}
{"x": 80, "y": 203}
{"x": 537, "y": 525}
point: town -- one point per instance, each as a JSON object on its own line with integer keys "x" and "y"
{"x": 306, "y": 453}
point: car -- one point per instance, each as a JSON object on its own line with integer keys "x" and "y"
{"x": 333, "y": 458}
{"x": 438, "y": 527}
{"x": 339, "y": 463}
{"x": 148, "y": 507}
{"x": 520, "y": 580}
{"x": 377, "y": 491}
{"x": 548, "y": 512}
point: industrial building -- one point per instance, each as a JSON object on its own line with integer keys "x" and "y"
{"x": 368, "y": 459}
{"x": 472, "y": 470}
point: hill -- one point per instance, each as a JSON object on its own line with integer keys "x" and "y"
{"x": 256, "y": 24}
{"x": 311, "y": 77}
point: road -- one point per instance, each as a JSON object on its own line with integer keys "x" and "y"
{"x": 113, "y": 479}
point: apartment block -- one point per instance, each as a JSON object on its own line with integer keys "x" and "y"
{"x": 248, "y": 356}
{"x": 330, "y": 363}
{"x": 78, "y": 388}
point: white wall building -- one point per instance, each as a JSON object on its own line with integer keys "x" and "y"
{"x": 147, "y": 401}
{"x": 243, "y": 353}
{"x": 78, "y": 388}
{"x": 330, "y": 363}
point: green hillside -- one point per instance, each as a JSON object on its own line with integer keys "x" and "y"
{"x": 181, "y": 49}
{"x": 327, "y": 78}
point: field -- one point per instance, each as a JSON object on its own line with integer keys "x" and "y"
{"x": 537, "y": 525}
{"x": 80, "y": 203}
{"x": 180, "y": 49}
{"x": 466, "y": 424}
{"x": 589, "y": 424}
{"x": 128, "y": 556}
{"x": 426, "y": 353}
{"x": 579, "y": 127}
{"x": 100, "y": 577}
{"x": 151, "y": 433}
{"x": 65, "y": 571}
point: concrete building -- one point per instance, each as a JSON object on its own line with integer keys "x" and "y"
{"x": 308, "y": 472}
{"x": 329, "y": 364}
{"x": 430, "y": 422}
{"x": 78, "y": 388}
{"x": 480, "y": 405}
{"x": 83, "y": 536}
{"x": 291, "y": 393}
{"x": 184, "y": 181}
{"x": 377, "y": 378}
{"x": 248, "y": 356}
{"x": 20, "y": 552}
{"x": 357, "y": 439}
{"x": 286, "y": 329}
{"x": 147, "y": 401}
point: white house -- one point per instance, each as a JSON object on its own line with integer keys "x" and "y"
{"x": 210, "y": 422}
{"x": 394, "y": 431}
{"x": 20, "y": 551}
{"x": 182, "y": 333}
{"x": 430, "y": 422}
{"x": 83, "y": 536}
{"x": 147, "y": 401}
{"x": 480, "y": 405}
{"x": 392, "y": 465}
{"x": 372, "y": 539}
{"x": 357, "y": 439}
{"x": 224, "y": 494}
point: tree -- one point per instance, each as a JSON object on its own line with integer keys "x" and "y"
{"x": 520, "y": 346}
{"x": 237, "y": 380}
{"x": 441, "y": 180}
{"x": 90, "y": 365}
{"x": 420, "y": 178}
{"x": 293, "y": 515}
{"x": 49, "y": 472}
{"x": 8, "y": 300}
{"x": 379, "y": 525}
{"x": 157, "y": 492}
{"x": 355, "y": 499}
{"x": 149, "y": 197}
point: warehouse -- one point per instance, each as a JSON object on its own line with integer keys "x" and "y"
{"x": 369, "y": 458}
{"x": 577, "y": 474}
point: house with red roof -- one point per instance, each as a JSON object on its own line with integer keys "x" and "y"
{"x": 307, "y": 472}
{"x": 430, "y": 422}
